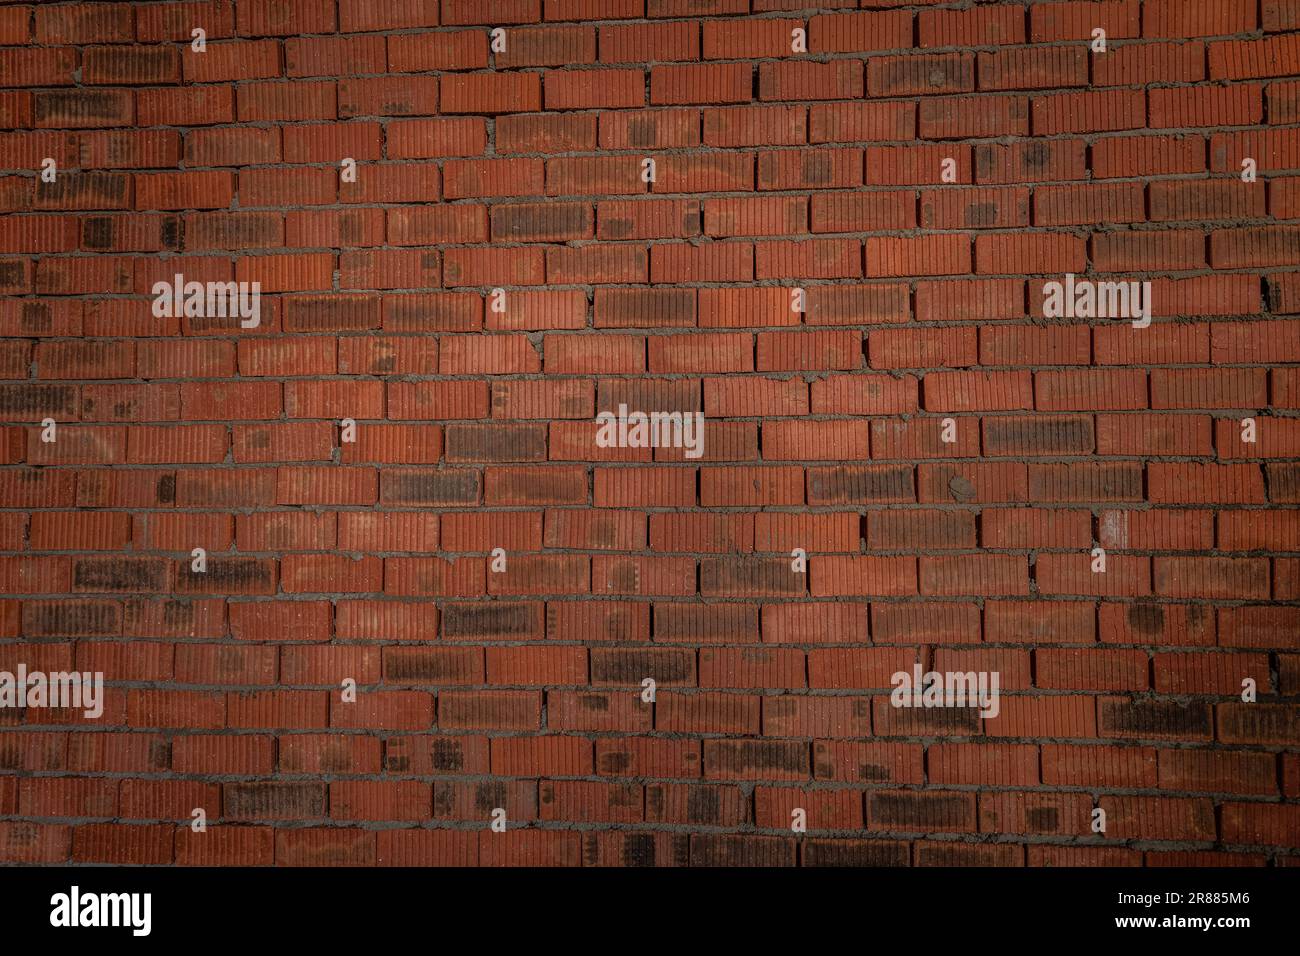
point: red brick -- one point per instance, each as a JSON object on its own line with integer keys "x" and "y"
{"x": 1162, "y": 18}
{"x": 800, "y": 270}
{"x": 673, "y": 40}
{"x": 491, "y": 93}
{"x": 1135, "y": 64}
{"x": 701, "y": 83}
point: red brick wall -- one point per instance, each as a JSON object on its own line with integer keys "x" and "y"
{"x": 774, "y": 170}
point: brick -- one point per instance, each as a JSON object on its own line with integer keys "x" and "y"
{"x": 1023, "y": 68}
{"x": 672, "y": 40}
{"x": 722, "y": 172}
{"x": 456, "y": 50}
{"x": 85, "y": 23}
{"x": 921, "y": 74}
{"x": 1134, "y": 64}
{"x": 700, "y": 83}
{"x": 1071, "y": 205}
{"x": 1030, "y": 161}
{"x": 356, "y": 16}
{"x": 1240, "y": 105}
{"x": 548, "y": 46}
{"x": 929, "y": 255}
{"x": 591, "y": 89}
{"x": 802, "y": 270}
{"x": 1247, "y": 59}
{"x": 512, "y": 11}
{"x": 491, "y": 93}
{"x": 1164, "y": 19}
{"x": 979, "y": 208}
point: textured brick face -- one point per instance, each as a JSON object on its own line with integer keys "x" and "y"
{"x": 435, "y": 590}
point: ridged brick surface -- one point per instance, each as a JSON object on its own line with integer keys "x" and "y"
{"x": 504, "y": 266}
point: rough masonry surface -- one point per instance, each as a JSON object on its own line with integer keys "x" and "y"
{"x": 363, "y": 586}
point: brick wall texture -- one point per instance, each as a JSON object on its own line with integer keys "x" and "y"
{"x": 828, "y": 229}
